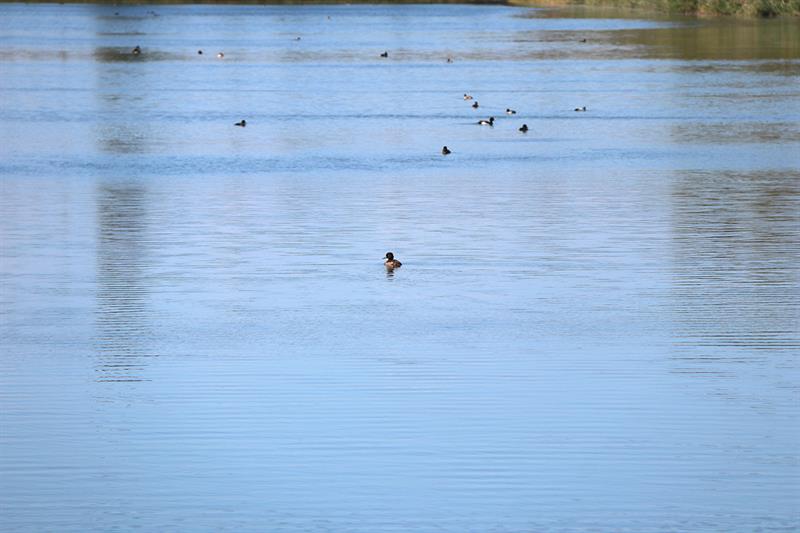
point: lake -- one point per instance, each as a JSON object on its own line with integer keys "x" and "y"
{"x": 596, "y": 326}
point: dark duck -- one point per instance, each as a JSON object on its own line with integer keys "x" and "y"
{"x": 391, "y": 263}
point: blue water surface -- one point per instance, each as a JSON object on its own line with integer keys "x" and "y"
{"x": 595, "y": 327}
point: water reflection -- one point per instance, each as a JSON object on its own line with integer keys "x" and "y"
{"x": 120, "y": 54}
{"x": 733, "y": 280}
{"x": 741, "y": 132}
{"x": 718, "y": 39}
{"x": 121, "y": 90}
{"x": 122, "y": 291}
{"x": 676, "y": 37}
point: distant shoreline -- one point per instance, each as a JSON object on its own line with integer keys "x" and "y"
{"x": 736, "y": 8}
{"x": 739, "y": 8}
{"x": 254, "y": 2}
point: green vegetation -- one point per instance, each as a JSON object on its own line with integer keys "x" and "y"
{"x": 256, "y": 2}
{"x": 748, "y": 8}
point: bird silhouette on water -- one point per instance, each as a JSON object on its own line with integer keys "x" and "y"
{"x": 241, "y": 123}
{"x": 446, "y": 150}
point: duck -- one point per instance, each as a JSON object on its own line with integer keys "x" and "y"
{"x": 489, "y": 122}
{"x": 446, "y": 150}
{"x": 510, "y": 111}
{"x": 199, "y": 52}
{"x": 242, "y": 123}
{"x": 220, "y": 55}
{"x": 391, "y": 263}
{"x": 136, "y": 51}
{"x": 580, "y": 108}
{"x": 475, "y": 105}
{"x": 524, "y": 128}
{"x": 467, "y": 96}
{"x": 385, "y": 54}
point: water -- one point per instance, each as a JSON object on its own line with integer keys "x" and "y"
{"x": 595, "y": 327}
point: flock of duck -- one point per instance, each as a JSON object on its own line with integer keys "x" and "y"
{"x": 390, "y": 262}
{"x": 137, "y": 50}
{"x": 490, "y": 120}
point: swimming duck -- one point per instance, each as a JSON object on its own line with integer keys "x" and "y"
{"x": 242, "y": 123}
{"x": 391, "y": 263}
{"x": 489, "y": 122}
{"x": 475, "y": 105}
{"x": 385, "y": 54}
{"x": 446, "y": 150}
{"x": 524, "y": 128}
{"x": 136, "y": 51}
{"x": 510, "y": 112}
{"x": 467, "y": 96}
{"x": 220, "y": 55}
{"x": 199, "y": 52}
{"x": 580, "y": 108}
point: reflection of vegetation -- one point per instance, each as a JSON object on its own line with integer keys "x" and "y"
{"x": 108, "y": 54}
{"x": 753, "y": 8}
{"x": 732, "y": 242}
{"x": 678, "y": 38}
{"x": 737, "y": 133}
{"x": 122, "y": 293}
{"x": 773, "y": 39}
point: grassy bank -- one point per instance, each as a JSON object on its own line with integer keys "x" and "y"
{"x": 255, "y": 2}
{"x": 745, "y": 8}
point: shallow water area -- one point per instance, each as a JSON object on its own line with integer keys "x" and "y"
{"x": 595, "y": 327}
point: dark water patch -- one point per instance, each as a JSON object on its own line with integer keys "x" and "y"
{"x": 782, "y": 68}
{"x": 748, "y": 132}
{"x": 127, "y": 55}
{"x": 120, "y": 33}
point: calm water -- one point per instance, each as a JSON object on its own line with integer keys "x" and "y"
{"x": 596, "y": 327}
